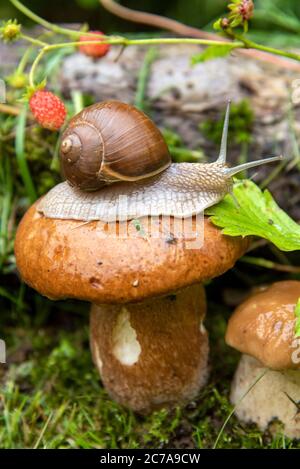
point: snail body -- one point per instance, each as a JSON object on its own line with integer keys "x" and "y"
{"x": 181, "y": 191}
{"x": 169, "y": 189}
{"x": 109, "y": 142}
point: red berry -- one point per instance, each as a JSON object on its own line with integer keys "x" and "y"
{"x": 48, "y": 109}
{"x": 97, "y": 50}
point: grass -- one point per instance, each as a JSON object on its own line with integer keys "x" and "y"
{"x": 51, "y": 395}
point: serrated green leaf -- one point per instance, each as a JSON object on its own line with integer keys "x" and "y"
{"x": 252, "y": 212}
{"x": 297, "y": 314}
{"x": 212, "y": 52}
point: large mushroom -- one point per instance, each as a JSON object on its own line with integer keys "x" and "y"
{"x": 266, "y": 385}
{"x": 147, "y": 335}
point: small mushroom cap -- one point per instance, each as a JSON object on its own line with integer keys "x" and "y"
{"x": 264, "y": 326}
{"x": 89, "y": 261}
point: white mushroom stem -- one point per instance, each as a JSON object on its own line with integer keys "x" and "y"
{"x": 152, "y": 354}
{"x": 275, "y": 396}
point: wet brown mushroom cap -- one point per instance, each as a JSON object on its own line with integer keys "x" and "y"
{"x": 72, "y": 259}
{"x": 264, "y": 326}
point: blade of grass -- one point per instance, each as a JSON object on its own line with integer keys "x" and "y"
{"x": 185, "y": 154}
{"x": 77, "y": 99}
{"x": 261, "y": 262}
{"x": 235, "y": 407}
{"x": 5, "y": 203}
{"x": 21, "y": 156}
{"x": 273, "y": 175}
{"x": 36, "y": 445}
{"x": 139, "y": 100}
{"x": 55, "y": 165}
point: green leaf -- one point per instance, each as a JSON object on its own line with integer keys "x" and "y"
{"x": 212, "y": 52}
{"x": 217, "y": 24}
{"x": 297, "y": 314}
{"x": 255, "y": 212}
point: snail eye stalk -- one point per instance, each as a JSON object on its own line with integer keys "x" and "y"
{"x": 223, "y": 149}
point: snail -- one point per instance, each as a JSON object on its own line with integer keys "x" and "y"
{"x": 135, "y": 176}
{"x": 109, "y": 142}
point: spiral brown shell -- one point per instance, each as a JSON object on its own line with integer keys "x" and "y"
{"x": 111, "y": 141}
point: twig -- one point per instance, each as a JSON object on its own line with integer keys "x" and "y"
{"x": 119, "y": 54}
{"x": 8, "y": 109}
{"x": 182, "y": 29}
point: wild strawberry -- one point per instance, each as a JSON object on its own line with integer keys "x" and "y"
{"x": 93, "y": 50}
{"x": 47, "y": 109}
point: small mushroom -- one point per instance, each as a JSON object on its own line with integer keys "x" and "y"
{"x": 263, "y": 329}
{"x": 147, "y": 335}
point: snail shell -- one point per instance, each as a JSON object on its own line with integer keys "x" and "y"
{"x": 111, "y": 141}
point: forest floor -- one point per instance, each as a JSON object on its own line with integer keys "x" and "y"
{"x": 51, "y": 395}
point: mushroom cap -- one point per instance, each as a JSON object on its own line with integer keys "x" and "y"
{"x": 263, "y": 326}
{"x": 89, "y": 261}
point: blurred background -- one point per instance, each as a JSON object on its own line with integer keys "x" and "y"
{"x": 277, "y": 16}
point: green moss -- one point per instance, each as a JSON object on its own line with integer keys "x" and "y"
{"x": 51, "y": 395}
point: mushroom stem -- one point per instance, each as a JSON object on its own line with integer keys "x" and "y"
{"x": 152, "y": 354}
{"x": 276, "y": 396}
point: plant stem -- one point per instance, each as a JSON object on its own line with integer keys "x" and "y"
{"x": 143, "y": 76}
{"x": 239, "y": 42}
{"x": 37, "y": 19}
{"x": 235, "y": 407}
{"x": 119, "y": 40}
{"x": 182, "y": 29}
{"x": 23, "y": 62}
{"x": 6, "y": 196}
{"x": 253, "y": 45}
{"x": 274, "y": 173}
{"x": 21, "y": 157}
{"x": 36, "y": 42}
{"x": 261, "y": 262}
{"x": 34, "y": 66}
{"x": 77, "y": 99}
